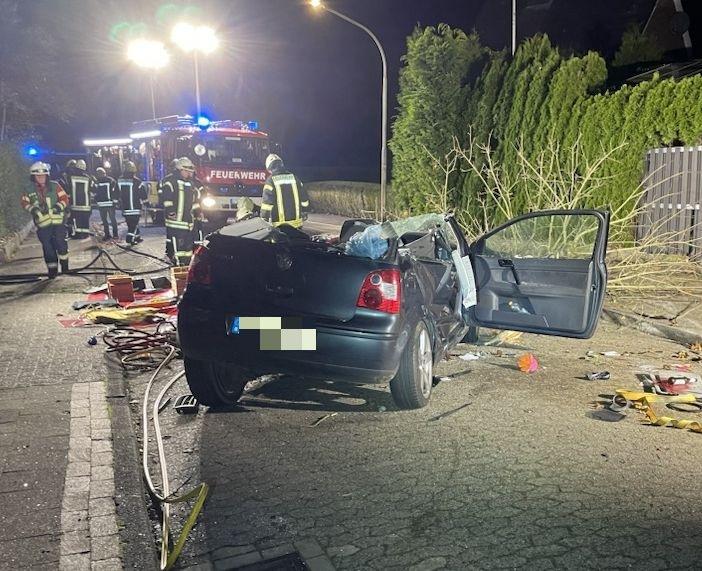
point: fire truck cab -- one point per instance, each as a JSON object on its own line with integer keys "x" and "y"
{"x": 229, "y": 158}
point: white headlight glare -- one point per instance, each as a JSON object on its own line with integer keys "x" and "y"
{"x": 200, "y": 149}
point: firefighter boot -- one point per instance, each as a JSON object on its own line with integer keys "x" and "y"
{"x": 64, "y": 266}
{"x": 53, "y": 272}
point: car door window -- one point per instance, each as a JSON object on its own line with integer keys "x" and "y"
{"x": 547, "y": 237}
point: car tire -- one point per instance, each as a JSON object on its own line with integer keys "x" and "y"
{"x": 411, "y": 386}
{"x": 471, "y": 335}
{"x": 215, "y": 384}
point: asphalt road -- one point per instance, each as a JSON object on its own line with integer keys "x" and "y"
{"x": 503, "y": 470}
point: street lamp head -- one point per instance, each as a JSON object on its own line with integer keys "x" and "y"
{"x": 148, "y": 54}
{"x": 190, "y": 38}
{"x": 316, "y": 4}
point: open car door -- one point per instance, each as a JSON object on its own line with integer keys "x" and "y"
{"x": 542, "y": 273}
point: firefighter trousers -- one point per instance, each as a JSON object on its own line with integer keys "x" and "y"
{"x": 54, "y": 246}
{"x": 179, "y": 245}
{"x": 81, "y": 223}
{"x": 133, "y": 233}
{"x": 108, "y": 215}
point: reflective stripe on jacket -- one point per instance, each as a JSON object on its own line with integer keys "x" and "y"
{"x": 284, "y": 199}
{"x": 41, "y": 202}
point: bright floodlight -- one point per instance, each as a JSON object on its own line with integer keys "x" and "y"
{"x": 190, "y": 38}
{"x": 316, "y": 4}
{"x": 148, "y": 54}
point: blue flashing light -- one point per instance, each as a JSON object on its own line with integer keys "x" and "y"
{"x": 32, "y": 151}
{"x": 253, "y": 125}
{"x": 203, "y": 122}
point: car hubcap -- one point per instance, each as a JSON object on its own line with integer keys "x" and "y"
{"x": 425, "y": 363}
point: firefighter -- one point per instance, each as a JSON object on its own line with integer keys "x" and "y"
{"x": 80, "y": 187}
{"x": 47, "y": 203}
{"x": 107, "y": 198}
{"x": 245, "y": 209}
{"x": 181, "y": 193}
{"x": 63, "y": 181}
{"x": 284, "y": 199}
{"x": 132, "y": 194}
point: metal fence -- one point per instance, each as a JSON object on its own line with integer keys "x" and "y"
{"x": 672, "y": 201}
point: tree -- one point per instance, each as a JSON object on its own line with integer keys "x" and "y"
{"x": 30, "y": 88}
{"x": 636, "y": 47}
{"x": 436, "y": 81}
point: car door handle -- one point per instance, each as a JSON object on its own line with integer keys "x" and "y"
{"x": 505, "y": 263}
{"x": 280, "y": 291}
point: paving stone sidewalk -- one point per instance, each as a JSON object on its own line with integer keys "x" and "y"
{"x": 56, "y": 466}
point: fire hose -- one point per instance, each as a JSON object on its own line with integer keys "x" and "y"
{"x": 143, "y": 351}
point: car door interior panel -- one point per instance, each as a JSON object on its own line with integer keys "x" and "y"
{"x": 542, "y": 273}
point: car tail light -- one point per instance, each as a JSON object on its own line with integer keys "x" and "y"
{"x": 382, "y": 291}
{"x": 199, "y": 271}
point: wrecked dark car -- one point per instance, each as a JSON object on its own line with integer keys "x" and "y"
{"x": 383, "y": 304}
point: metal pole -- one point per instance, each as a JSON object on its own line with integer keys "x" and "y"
{"x": 197, "y": 83}
{"x": 384, "y": 128}
{"x": 514, "y": 26}
{"x": 153, "y": 98}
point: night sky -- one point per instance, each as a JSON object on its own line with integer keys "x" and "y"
{"x": 310, "y": 79}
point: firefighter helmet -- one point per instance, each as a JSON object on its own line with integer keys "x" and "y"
{"x": 185, "y": 164}
{"x": 101, "y": 171}
{"x": 39, "y": 168}
{"x": 80, "y": 165}
{"x": 71, "y": 163}
{"x": 130, "y": 167}
{"x": 244, "y": 207}
{"x": 271, "y": 160}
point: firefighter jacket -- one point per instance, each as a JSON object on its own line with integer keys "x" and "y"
{"x": 80, "y": 187}
{"x": 46, "y": 204}
{"x": 106, "y": 191}
{"x": 181, "y": 201}
{"x": 284, "y": 199}
{"x": 132, "y": 193}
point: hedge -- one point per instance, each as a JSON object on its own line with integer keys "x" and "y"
{"x": 451, "y": 86}
{"x": 14, "y": 181}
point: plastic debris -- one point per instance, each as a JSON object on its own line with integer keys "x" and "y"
{"x": 381, "y": 408}
{"x": 696, "y": 347}
{"x": 607, "y": 415}
{"x": 471, "y": 356}
{"x": 321, "y": 419}
{"x": 367, "y": 244}
{"x": 610, "y": 354}
{"x": 92, "y": 341}
{"x": 527, "y": 363}
{"x": 506, "y": 337}
{"x": 598, "y": 376}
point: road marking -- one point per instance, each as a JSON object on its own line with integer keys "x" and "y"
{"x": 88, "y": 513}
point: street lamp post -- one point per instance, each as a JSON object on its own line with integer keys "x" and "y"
{"x": 317, "y": 4}
{"x": 152, "y": 56}
{"x": 195, "y": 39}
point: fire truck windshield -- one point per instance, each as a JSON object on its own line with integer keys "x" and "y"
{"x": 231, "y": 150}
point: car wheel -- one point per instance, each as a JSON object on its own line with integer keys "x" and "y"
{"x": 472, "y": 335}
{"x": 214, "y": 383}
{"x": 411, "y": 387}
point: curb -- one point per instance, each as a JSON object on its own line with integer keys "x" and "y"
{"x": 138, "y": 545}
{"x": 12, "y": 242}
{"x": 669, "y": 332}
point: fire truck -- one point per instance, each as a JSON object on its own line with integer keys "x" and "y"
{"x": 229, "y": 158}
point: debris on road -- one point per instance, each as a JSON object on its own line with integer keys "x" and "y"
{"x": 607, "y": 415}
{"x": 472, "y": 356}
{"x": 504, "y": 337}
{"x": 321, "y": 419}
{"x": 598, "y": 376}
{"x": 527, "y": 363}
{"x": 449, "y": 412}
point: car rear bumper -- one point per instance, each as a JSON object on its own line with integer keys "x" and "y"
{"x": 341, "y": 354}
